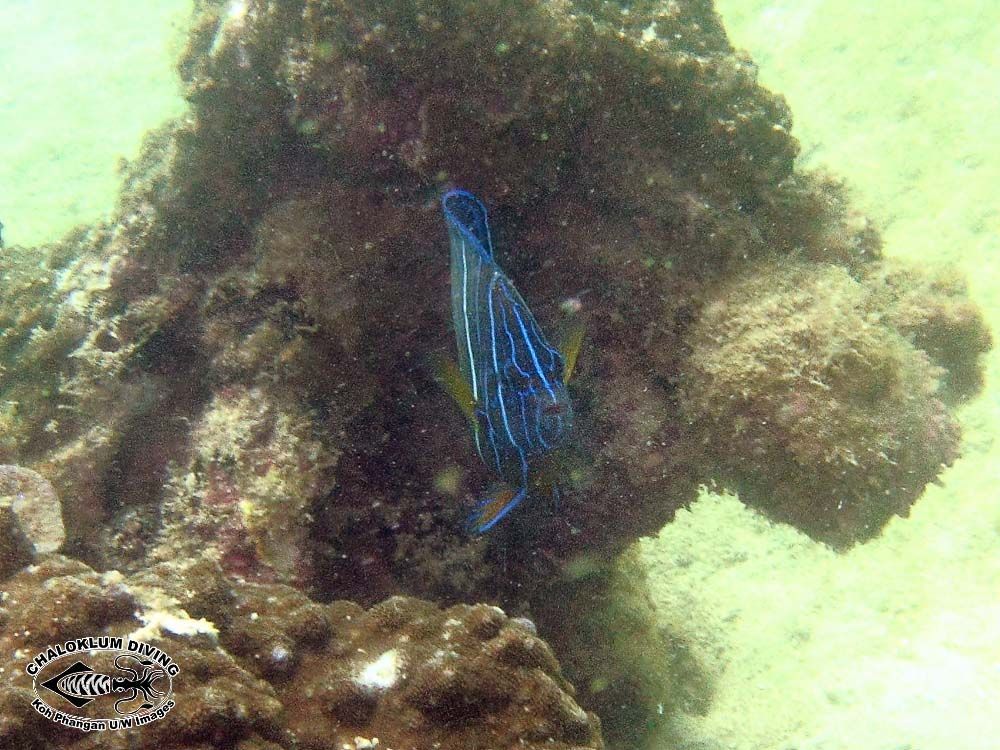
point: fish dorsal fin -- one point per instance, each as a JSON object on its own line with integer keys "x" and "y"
{"x": 569, "y": 347}
{"x": 467, "y": 220}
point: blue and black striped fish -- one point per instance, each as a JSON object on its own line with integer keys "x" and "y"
{"x": 509, "y": 382}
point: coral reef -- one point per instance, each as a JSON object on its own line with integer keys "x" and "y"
{"x": 794, "y": 364}
{"x": 625, "y": 665}
{"x": 246, "y": 489}
{"x": 234, "y": 366}
{"x": 263, "y": 666}
{"x": 932, "y": 310}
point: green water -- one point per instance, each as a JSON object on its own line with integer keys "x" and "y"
{"x": 893, "y": 645}
{"x": 81, "y": 84}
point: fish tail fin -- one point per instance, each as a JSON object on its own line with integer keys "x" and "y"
{"x": 466, "y": 217}
{"x": 491, "y": 511}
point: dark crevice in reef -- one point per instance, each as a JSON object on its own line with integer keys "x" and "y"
{"x": 170, "y": 369}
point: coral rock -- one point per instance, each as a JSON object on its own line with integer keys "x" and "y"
{"x": 28, "y": 500}
{"x": 269, "y": 668}
{"x": 245, "y": 492}
{"x": 416, "y": 675}
{"x": 934, "y": 312}
{"x": 816, "y": 411}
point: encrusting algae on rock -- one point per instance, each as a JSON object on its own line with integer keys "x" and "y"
{"x": 235, "y": 365}
{"x": 266, "y": 667}
{"x": 247, "y": 487}
{"x": 795, "y": 364}
{"x": 30, "y": 518}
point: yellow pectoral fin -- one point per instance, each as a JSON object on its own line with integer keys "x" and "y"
{"x": 570, "y": 348}
{"x": 493, "y": 509}
{"x": 446, "y": 372}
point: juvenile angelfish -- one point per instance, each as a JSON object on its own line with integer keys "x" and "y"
{"x": 509, "y": 382}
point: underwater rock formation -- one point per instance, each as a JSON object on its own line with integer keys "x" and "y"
{"x": 246, "y": 488}
{"x": 235, "y": 365}
{"x": 30, "y": 517}
{"x": 624, "y": 664}
{"x": 933, "y": 311}
{"x": 794, "y": 363}
{"x": 263, "y": 666}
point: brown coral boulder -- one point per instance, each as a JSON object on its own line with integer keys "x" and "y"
{"x": 933, "y": 310}
{"x": 277, "y": 266}
{"x": 217, "y": 700}
{"x": 814, "y": 408}
{"x": 263, "y": 666}
{"x": 416, "y": 676}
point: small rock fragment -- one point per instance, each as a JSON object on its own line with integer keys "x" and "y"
{"x": 35, "y": 506}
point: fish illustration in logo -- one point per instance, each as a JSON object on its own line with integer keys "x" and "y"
{"x": 79, "y": 684}
{"x": 509, "y": 382}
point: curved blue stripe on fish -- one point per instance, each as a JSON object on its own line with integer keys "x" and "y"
{"x": 522, "y": 405}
